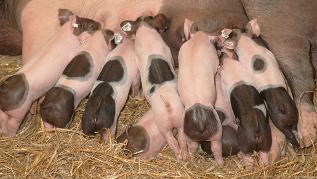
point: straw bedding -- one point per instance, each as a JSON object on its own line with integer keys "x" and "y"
{"x": 68, "y": 153}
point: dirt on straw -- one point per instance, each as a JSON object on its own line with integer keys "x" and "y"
{"x": 68, "y": 153}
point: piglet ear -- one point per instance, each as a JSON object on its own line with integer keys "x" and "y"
{"x": 214, "y": 39}
{"x": 160, "y": 22}
{"x": 189, "y": 28}
{"x": 108, "y": 35}
{"x": 253, "y": 28}
{"x": 63, "y": 15}
{"x": 129, "y": 27}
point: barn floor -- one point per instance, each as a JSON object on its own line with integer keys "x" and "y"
{"x": 68, "y": 153}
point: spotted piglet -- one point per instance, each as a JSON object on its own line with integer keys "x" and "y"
{"x": 229, "y": 140}
{"x": 269, "y": 80}
{"x": 159, "y": 83}
{"x": 198, "y": 63}
{"x": 76, "y": 82}
{"x": 40, "y": 74}
{"x": 254, "y": 133}
{"x": 111, "y": 90}
{"x": 144, "y": 138}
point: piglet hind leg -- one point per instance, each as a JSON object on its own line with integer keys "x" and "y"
{"x": 183, "y": 145}
{"x": 248, "y": 161}
{"x": 278, "y": 144}
{"x": 172, "y": 142}
{"x": 4, "y": 120}
{"x": 136, "y": 89}
{"x": 216, "y": 148}
{"x": 264, "y": 158}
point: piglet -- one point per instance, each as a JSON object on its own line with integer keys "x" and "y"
{"x": 269, "y": 80}
{"x": 159, "y": 83}
{"x": 254, "y": 132}
{"x": 76, "y": 82}
{"x": 35, "y": 78}
{"x": 229, "y": 140}
{"x": 198, "y": 63}
{"x": 144, "y": 138}
{"x": 111, "y": 90}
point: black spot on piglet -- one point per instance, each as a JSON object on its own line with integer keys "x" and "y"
{"x": 254, "y": 133}
{"x": 200, "y": 123}
{"x": 283, "y": 112}
{"x": 138, "y": 139}
{"x": 57, "y": 107}
{"x": 63, "y": 15}
{"x": 13, "y": 92}
{"x": 229, "y": 140}
{"x": 79, "y": 66}
{"x": 159, "y": 71}
{"x": 100, "y": 110}
{"x": 258, "y": 64}
{"x": 221, "y": 115}
{"x": 112, "y": 71}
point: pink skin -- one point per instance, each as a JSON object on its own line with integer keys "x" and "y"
{"x": 198, "y": 62}
{"x": 165, "y": 102}
{"x": 157, "y": 140}
{"x": 50, "y": 64}
{"x": 121, "y": 89}
{"x": 278, "y": 143}
{"x": 34, "y": 22}
{"x": 98, "y": 49}
{"x": 307, "y": 125}
{"x": 272, "y": 76}
{"x": 38, "y": 28}
{"x": 223, "y": 104}
{"x": 292, "y": 39}
{"x": 308, "y": 119}
{"x": 231, "y": 73}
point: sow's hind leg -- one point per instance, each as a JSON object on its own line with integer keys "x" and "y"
{"x": 299, "y": 73}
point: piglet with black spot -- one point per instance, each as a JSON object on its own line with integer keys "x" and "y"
{"x": 76, "y": 82}
{"x": 111, "y": 90}
{"x": 198, "y": 63}
{"x": 144, "y": 138}
{"x": 229, "y": 140}
{"x": 254, "y": 132}
{"x": 269, "y": 80}
{"x": 39, "y": 75}
{"x": 159, "y": 83}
